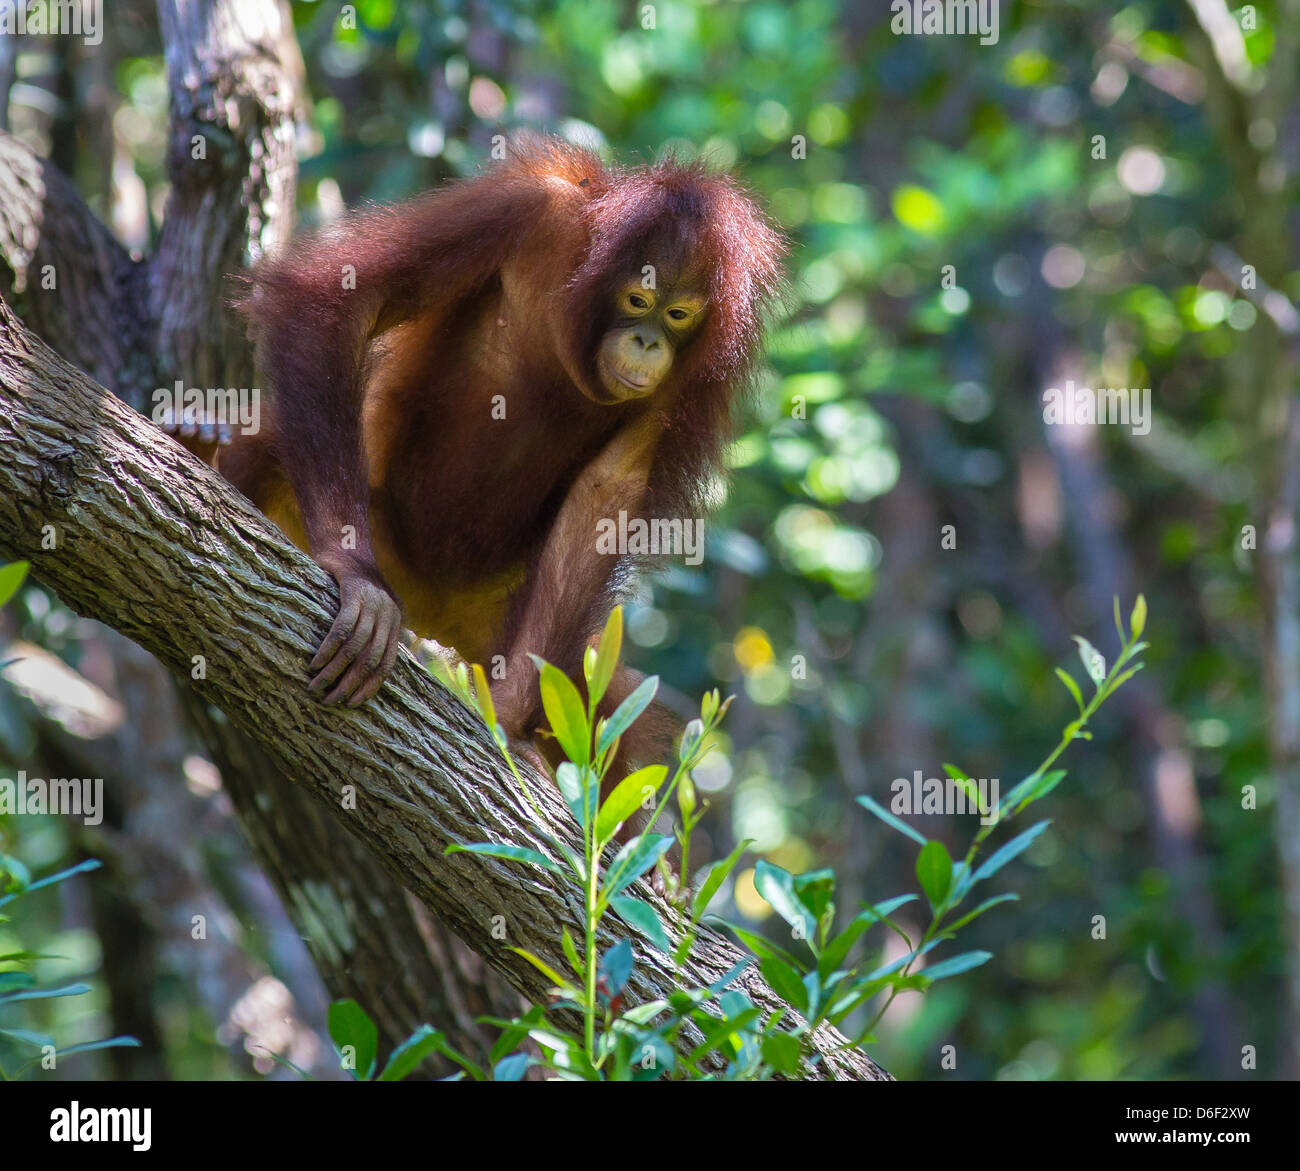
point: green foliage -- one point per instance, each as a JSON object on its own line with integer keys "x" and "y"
{"x": 11, "y": 579}
{"x": 587, "y": 1030}
{"x": 922, "y": 153}
{"x": 19, "y": 987}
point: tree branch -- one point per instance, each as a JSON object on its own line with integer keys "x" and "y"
{"x": 129, "y": 529}
{"x": 133, "y": 325}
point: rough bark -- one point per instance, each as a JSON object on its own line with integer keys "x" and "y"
{"x": 366, "y": 934}
{"x": 156, "y": 545}
{"x": 75, "y": 284}
{"x": 235, "y": 75}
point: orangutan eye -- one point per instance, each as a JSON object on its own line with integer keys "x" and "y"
{"x": 678, "y": 314}
{"x": 637, "y": 301}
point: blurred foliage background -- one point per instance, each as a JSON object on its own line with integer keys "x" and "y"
{"x": 972, "y": 224}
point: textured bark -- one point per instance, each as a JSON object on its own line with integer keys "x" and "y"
{"x": 156, "y": 545}
{"x": 235, "y": 73}
{"x": 235, "y": 81}
{"x": 75, "y": 284}
{"x": 366, "y": 934}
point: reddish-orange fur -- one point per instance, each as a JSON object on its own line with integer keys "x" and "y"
{"x": 383, "y": 394}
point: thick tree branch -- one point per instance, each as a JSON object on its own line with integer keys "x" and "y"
{"x": 134, "y": 325}
{"x": 128, "y": 528}
{"x": 235, "y": 79}
{"x": 78, "y": 287}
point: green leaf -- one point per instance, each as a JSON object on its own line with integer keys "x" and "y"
{"x": 984, "y": 906}
{"x": 45, "y": 993}
{"x": 483, "y": 693}
{"x": 628, "y": 796}
{"x": 964, "y": 782}
{"x": 777, "y": 887}
{"x": 580, "y": 788}
{"x": 838, "y": 947}
{"x": 686, "y": 798}
{"x": 350, "y": 1024}
{"x": 14, "y": 875}
{"x": 11, "y": 578}
{"x": 815, "y": 889}
{"x": 643, "y": 1014}
{"x": 608, "y": 649}
{"x": 758, "y": 944}
{"x": 615, "y": 967}
{"x": 1071, "y": 686}
{"x": 1133, "y": 649}
{"x": 962, "y": 880}
{"x": 781, "y": 1052}
{"x": 1120, "y": 680}
{"x": 542, "y": 966}
{"x": 27, "y": 1037}
{"x": 1138, "y": 622}
{"x": 512, "y": 1068}
{"x": 644, "y": 918}
{"x": 785, "y": 982}
{"x": 513, "y": 1033}
{"x": 567, "y": 714}
{"x": 715, "y": 876}
{"x": 956, "y": 965}
{"x": 1004, "y": 855}
{"x": 10, "y": 980}
{"x": 716, "y": 1030}
{"x": 633, "y": 860}
{"x": 571, "y": 952}
{"x": 577, "y": 864}
{"x": 627, "y": 712}
{"x": 934, "y": 872}
{"x": 50, "y": 880}
{"x": 1032, "y": 789}
{"x": 901, "y": 962}
{"x": 692, "y": 738}
{"x": 816, "y": 994}
{"x": 410, "y": 1053}
{"x": 1094, "y": 662}
{"x": 889, "y": 819}
{"x": 508, "y": 853}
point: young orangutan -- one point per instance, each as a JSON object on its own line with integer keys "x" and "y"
{"x": 465, "y": 385}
